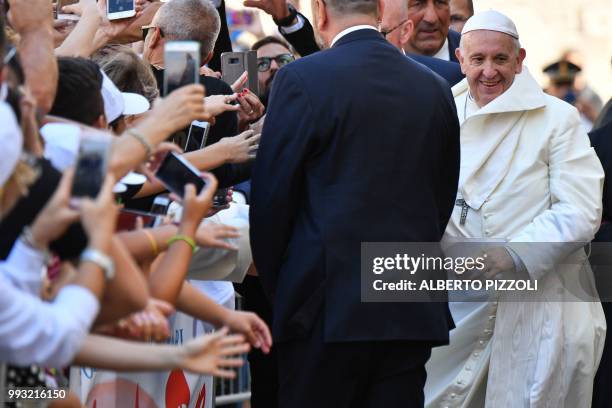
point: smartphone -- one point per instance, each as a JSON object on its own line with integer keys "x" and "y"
{"x": 118, "y": 9}
{"x": 175, "y": 173}
{"x": 126, "y": 221}
{"x": 181, "y": 64}
{"x": 160, "y": 205}
{"x": 220, "y": 198}
{"x": 198, "y": 133}
{"x": 90, "y": 169}
{"x": 233, "y": 64}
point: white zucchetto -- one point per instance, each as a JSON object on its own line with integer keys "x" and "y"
{"x": 490, "y": 20}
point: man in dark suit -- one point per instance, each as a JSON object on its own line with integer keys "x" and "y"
{"x": 345, "y": 127}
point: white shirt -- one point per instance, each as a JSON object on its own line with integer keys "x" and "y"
{"x": 350, "y": 30}
{"x": 443, "y": 52}
{"x": 33, "y": 331}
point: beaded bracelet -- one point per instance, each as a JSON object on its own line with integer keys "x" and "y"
{"x": 183, "y": 238}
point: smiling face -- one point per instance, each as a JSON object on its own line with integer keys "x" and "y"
{"x": 431, "y": 20}
{"x": 489, "y": 60}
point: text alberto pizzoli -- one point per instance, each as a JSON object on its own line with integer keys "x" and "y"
{"x": 410, "y": 264}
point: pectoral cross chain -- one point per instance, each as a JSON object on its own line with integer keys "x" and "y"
{"x": 464, "y": 210}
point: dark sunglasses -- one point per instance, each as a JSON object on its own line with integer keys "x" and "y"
{"x": 387, "y": 32}
{"x": 145, "y": 31}
{"x": 264, "y": 63}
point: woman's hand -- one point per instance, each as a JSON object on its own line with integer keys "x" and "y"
{"x": 218, "y": 104}
{"x": 177, "y": 110}
{"x": 251, "y": 108}
{"x": 211, "y": 354}
{"x": 212, "y": 235}
{"x": 252, "y": 327}
{"x": 240, "y": 148}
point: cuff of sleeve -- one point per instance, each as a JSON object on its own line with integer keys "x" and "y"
{"x": 78, "y": 298}
{"x": 296, "y": 27}
{"x": 26, "y": 266}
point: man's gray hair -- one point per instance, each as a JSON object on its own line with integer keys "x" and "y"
{"x": 190, "y": 20}
{"x": 347, "y": 7}
{"x": 516, "y": 42}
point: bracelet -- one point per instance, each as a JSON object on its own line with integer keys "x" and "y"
{"x": 142, "y": 139}
{"x": 183, "y": 238}
{"x": 153, "y": 242}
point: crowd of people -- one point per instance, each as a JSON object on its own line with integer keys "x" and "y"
{"x": 379, "y": 121}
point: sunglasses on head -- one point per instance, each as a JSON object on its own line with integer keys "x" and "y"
{"x": 264, "y": 63}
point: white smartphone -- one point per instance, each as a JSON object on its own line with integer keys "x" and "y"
{"x": 198, "y": 133}
{"x": 181, "y": 64}
{"x": 118, "y": 9}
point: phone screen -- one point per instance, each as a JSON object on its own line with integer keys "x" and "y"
{"x": 160, "y": 205}
{"x": 197, "y": 136}
{"x": 175, "y": 173}
{"x": 90, "y": 168}
{"x": 181, "y": 66}
{"x": 118, "y": 6}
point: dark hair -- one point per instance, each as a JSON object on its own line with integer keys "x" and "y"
{"x": 2, "y": 39}
{"x": 79, "y": 91}
{"x": 270, "y": 40}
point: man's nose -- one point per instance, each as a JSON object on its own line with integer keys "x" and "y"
{"x": 274, "y": 66}
{"x": 430, "y": 15}
{"x": 489, "y": 70}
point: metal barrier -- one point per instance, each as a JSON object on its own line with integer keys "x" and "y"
{"x": 236, "y": 392}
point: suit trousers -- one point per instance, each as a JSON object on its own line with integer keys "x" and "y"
{"x": 357, "y": 374}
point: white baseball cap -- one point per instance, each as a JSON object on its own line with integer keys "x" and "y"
{"x": 491, "y": 20}
{"x": 11, "y": 141}
{"x": 117, "y": 103}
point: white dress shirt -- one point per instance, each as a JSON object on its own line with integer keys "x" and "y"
{"x": 443, "y": 53}
{"x": 33, "y": 331}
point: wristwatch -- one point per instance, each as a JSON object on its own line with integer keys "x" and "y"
{"x": 287, "y": 21}
{"x": 101, "y": 259}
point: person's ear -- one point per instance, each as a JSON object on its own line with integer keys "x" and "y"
{"x": 100, "y": 123}
{"x": 156, "y": 37}
{"x": 381, "y": 9}
{"x": 521, "y": 57}
{"x": 207, "y": 59}
{"x": 321, "y": 10}
{"x": 460, "y": 59}
{"x": 406, "y": 32}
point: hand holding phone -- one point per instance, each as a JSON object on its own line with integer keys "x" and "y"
{"x": 90, "y": 168}
{"x": 118, "y": 9}
{"x": 175, "y": 172}
{"x": 196, "y": 206}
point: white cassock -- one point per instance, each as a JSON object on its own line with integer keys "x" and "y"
{"x": 529, "y": 175}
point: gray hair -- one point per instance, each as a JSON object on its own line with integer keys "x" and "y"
{"x": 515, "y": 41}
{"x": 347, "y": 7}
{"x": 190, "y": 20}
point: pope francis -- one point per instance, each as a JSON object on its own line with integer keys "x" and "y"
{"x": 528, "y": 177}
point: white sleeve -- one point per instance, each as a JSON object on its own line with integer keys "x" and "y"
{"x": 23, "y": 267}
{"x": 49, "y": 334}
{"x": 576, "y": 183}
{"x": 292, "y": 29}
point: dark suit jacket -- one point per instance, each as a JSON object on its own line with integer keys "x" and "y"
{"x": 601, "y": 140}
{"x": 451, "y": 71}
{"x": 344, "y": 128}
{"x": 453, "y": 43}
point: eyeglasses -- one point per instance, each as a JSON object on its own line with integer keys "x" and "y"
{"x": 387, "y": 32}
{"x": 264, "y": 63}
{"x": 145, "y": 31}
